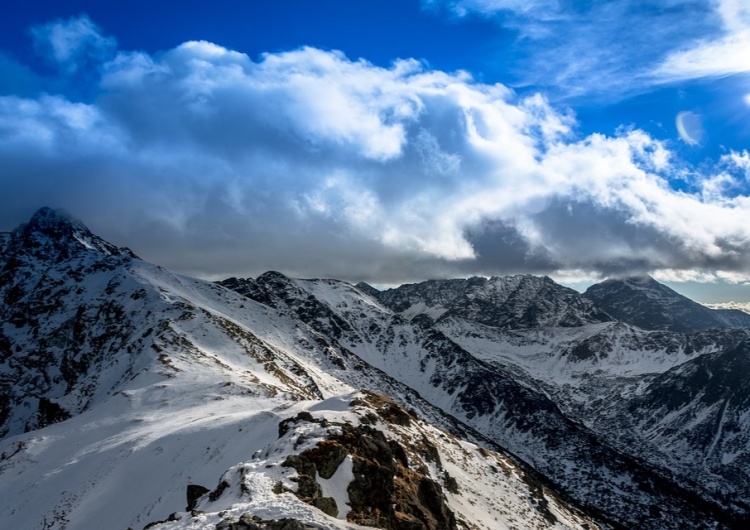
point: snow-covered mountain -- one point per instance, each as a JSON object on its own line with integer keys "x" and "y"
{"x": 644, "y": 302}
{"x": 520, "y": 301}
{"x": 673, "y": 400}
{"x": 132, "y": 396}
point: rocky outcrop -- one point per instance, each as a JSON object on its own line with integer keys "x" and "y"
{"x": 385, "y": 492}
{"x": 253, "y": 522}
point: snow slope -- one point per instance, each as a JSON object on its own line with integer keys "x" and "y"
{"x": 362, "y": 443}
{"x": 123, "y": 384}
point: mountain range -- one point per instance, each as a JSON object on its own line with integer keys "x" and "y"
{"x": 134, "y": 397}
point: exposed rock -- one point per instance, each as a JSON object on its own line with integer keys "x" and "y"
{"x": 221, "y": 488}
{"x": 252, "y": 522}
{"x": 193, "y": 493}
{"x": 327, "y": 505}
{"x": 385, "y": 491}
{"x": 50, "y": 412}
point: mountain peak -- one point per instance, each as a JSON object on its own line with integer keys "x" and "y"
{"x": 368, "y": 289}
{"x": 54, "y": 235}
{"x": 640, "y": 279}
{"x": 644, "y": 302}
{"x": 47, "y": 220}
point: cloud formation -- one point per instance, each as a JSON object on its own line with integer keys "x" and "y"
{"x": 72, "y": 44}
{"x": 719, "y": 55}
{"x": 208, "y": 162}
{"x": 609, "y": 49}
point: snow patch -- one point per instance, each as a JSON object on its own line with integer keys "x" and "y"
{"x": 336, "y": 486}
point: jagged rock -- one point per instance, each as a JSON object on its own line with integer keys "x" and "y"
{"x": 450, "y": 483}
{"x": 307, "y": 487}
{"x": 285, "y": 425}
{"x": 327, "y": 505}
{"x": 172, "y": 517}
{"x": 50, "y": 412}
{"x": 216, "y": 493}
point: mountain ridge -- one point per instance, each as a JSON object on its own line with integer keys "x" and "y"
{"x": 108, "y": 362}
{"x": 646, "y": 303}
{"x": 510, "y": 301}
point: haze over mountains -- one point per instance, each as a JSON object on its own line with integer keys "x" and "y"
{"x": 132, "y": 397}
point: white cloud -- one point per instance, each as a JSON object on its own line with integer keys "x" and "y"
{"x": 69, "y": 43}
{"x": 54, "y": 125}
{"x": 725, "y": 56}
{"x": 742, "y": 306}
{"x": 463, "y": 8}
{"x": 739, "y": 160}
{"x": 717, "y": 56}
{"x": 742, "y": 278}
{"x": 734, "y": 13}
{"x": 212, "y": 163}
{"x": 681, "y": 276}
{"x": 611, "y": 50}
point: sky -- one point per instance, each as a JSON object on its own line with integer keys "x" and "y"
{"x": 390, "y": 141}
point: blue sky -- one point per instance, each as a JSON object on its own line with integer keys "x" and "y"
{"x": 390, "y": 141}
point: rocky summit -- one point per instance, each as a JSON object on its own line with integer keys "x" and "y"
{"x": 132, "y": 397}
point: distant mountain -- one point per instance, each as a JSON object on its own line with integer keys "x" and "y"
{"x": 691, "y": 418}
{"x": 741, "y": 306}
{"x": 521, "y": 301}
{"x": 648, "y": 304}
{"x": 134, "y": 397}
